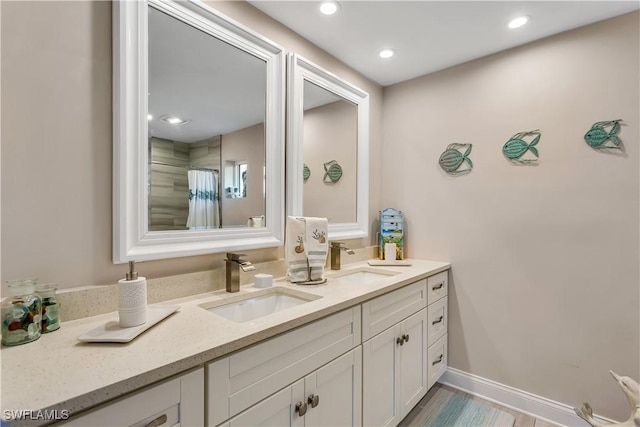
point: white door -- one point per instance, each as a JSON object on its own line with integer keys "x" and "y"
{"x": 413, "y": 361}
{"x": 380, "y": 368}
{"x": 333, "y": 392}
{"x": 277, "y": 410}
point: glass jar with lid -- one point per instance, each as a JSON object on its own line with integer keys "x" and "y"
{"x": 21, "y": 313}
{"x": 50, "y": 317}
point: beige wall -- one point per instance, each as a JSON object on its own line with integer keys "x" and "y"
{"x": 244, "y": 145}
{"x": 331, "y": 133}
{"x": 545, "y": 283}
{"x": 56, "y": 133}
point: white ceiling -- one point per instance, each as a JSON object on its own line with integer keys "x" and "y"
{"x": 430, "y": 35}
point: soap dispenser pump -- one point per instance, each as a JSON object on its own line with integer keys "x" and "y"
{"x": 132, "y": 299}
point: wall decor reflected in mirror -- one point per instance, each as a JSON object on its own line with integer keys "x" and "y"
{"x": 198, "y": 120}
{"x": 328, "y": 128}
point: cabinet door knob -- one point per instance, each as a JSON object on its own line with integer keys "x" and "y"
{"x": 158, "y": 421}
{"x": 405, "y": 337}
{"x": 438, "y": 286}
{"x": 435, "y": 362}
{"x": 313, "y": 400}
{"x": 399, "y": 340}
{"x": 301, "y": 408}
{"x": 438, "y": 321}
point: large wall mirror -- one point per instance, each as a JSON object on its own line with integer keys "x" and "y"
{"x": 198, "y": 133}
{"x": 328, "y": 149}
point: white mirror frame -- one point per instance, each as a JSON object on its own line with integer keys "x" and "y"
{"x": 131, "y": 237}
{"x": 301, "y": 69}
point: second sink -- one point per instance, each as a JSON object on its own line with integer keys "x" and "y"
{"x": 364, "y": 275}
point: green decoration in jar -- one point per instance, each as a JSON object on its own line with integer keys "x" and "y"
{"x": 50, "y": 317}
{"x": 21, "y": 314}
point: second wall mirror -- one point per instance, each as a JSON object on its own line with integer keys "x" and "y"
{"x": 327, "y": 149}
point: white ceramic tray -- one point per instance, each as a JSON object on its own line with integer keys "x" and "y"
{"x": 397, "y": 263}
{"x": 112, "y": 332}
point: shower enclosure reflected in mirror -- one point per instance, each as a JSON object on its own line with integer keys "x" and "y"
{"x": 193, "y": 92}
{"x": 328, "y": 126}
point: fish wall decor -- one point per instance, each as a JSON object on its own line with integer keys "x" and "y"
{"x": 602, "y": 135}
{"x": 452, "y": 158}
{"x": 306, "y": 172}
{"x": 519, "y": 144}
{"x": 332, "y": 172}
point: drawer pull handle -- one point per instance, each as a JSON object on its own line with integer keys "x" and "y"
{"x": 313, "y": 400}
{"x": 435, "y": 362}
{"x": 301, "y": 408}
{"x": 438, "y": 286}
{"x": 158, "y": 421}
{"x": 399, "y": 340}
{"x": 437, "y": 321}
{"x": 405, "y": 337}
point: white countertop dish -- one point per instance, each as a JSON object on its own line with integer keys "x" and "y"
{"x": 58, "y": 372}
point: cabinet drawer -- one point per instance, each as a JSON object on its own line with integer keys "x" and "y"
{"x": 437, "y": 320}
{"x": 437, "y": 286}
{"x": 238, "y": 381}
{"x": 175, "y": 402}
{"x": 387, "y": 310}
{"x": 436, "y": 360}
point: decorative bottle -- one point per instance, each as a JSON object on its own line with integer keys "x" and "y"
{"x": 21, "y": 313}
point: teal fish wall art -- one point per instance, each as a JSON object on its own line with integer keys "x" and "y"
{"x": 452, "y": 158}
{"x": 332, "y": 172}
{"x": 519, "y": 144}
{"x": 602, "y": 135}
{"x": 306, "y": 172}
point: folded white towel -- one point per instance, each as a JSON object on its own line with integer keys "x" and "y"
{"x": 316, "y": 245}
{"x": 297, "y": 263}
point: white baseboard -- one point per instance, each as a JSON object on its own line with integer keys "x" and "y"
{"x": 519, "y": 400}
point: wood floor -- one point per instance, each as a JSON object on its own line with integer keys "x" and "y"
{"x": 417, "y": 415}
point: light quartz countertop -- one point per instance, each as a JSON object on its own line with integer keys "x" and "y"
{"x": 58, "y": 372}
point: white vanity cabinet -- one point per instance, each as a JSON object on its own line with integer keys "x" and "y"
{"x": 311, "y": 353}
{"x": 397, "y": 354}
{"x": 438, "y": 320}
{"x": 394, "y": 360}
{"x": 173, "y": 403}
{"x": 329, "y": 396}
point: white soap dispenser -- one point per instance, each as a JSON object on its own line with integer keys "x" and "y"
{"x": 132, "y": 299}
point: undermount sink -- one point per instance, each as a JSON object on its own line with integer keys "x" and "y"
{"x": 365, "y": 275}
{"x": 247, "y": 307}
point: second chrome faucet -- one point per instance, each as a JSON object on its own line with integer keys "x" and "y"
{"x": 233, "y": 264}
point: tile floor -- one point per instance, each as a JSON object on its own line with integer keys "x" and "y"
{"x": 417, "y": 415}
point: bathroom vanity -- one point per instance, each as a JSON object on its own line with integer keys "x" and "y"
{"x": 362, "y": 349}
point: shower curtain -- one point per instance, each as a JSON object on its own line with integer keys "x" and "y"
{"x": 203, "y": 200}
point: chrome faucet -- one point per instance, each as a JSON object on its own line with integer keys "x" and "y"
{"x": 233, "y": 264}
{"x": 336, "y": 248}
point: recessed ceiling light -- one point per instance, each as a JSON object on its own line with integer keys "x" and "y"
{"x": 149, "y": 117}
{"x": 387, "y": 53}
{"x": 174, "y": 120}
{"x": 329, "y": 7}
{"x": 518, "y": 22}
